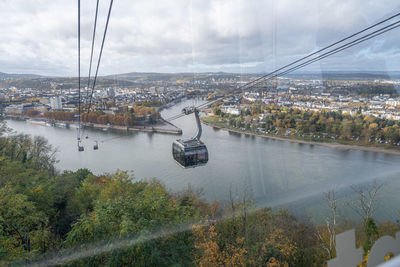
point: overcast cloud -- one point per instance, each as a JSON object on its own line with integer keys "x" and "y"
{"x": 40, "y": 36}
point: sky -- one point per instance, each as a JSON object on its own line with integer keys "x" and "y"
{"x": 242, "y": 36}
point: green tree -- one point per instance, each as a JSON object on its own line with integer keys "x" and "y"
{"x": 125, "y": 209}
{"x": 23, "y": 228}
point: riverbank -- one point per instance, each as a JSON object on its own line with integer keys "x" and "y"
{"x": 334, "y": 145}
{"x": 161, "y": 126}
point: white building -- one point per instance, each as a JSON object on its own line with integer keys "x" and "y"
{"x": 230, "y": 110}
{"x": 55, "y": 103}
{"x": 17, "y": 109}
{"x": 393, "y": 102}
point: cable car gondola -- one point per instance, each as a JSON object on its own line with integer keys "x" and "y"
{"x": 80, "y": 148}
{"x": 192, "y": 152}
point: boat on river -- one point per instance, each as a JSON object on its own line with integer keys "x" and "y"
{"x": 75, "y": 126}
{"x": 36, "y": 122}
{"x": 60, "y": 125}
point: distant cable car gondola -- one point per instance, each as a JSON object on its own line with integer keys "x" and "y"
{"x": 80, "y": 148}
{"x": 191, "y": 152}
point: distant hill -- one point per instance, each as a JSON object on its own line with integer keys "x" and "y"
{"x": 324, "y": 75}
{"x": 146, "y": 74}
{"x": 132, "y": 76}
{"x": 16, "y": 76}
{"x": 168, "y": 77}
{"x": 346, "y": 75}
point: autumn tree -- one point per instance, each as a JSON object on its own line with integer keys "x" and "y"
{"x": 125, "y": 209}
{"x": 210, "y": 252}
{"x": 32, "y": 113}
{"x": 327, "y": 234}
{"x": 365, "y": 205}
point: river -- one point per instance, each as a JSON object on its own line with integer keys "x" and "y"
{"x": 273, "y": 173}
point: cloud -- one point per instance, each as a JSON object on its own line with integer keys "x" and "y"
{"x": 40, "y": 36}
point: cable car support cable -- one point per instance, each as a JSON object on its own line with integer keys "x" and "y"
{"x": 101, "y": 53}
{"x": 334, "y": 51}
{"x": 99, "y": 59}
{"x": 323, "y": 49}
{"x": 80, "y": 148}
{"x": 315, "y": 59}
{"x": 91, "y": 52}
{"x": 193, "y": 152}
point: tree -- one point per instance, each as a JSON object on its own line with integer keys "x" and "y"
{"x": 103, "y": 119}
{"x": 3, "y": 127}
{"x": 217, "y": 111}
{"x": 32, "y": 113}
{"x": 129, "y": 119}
{"x": 59, "y": 115}
{"x": 286, "y": 246}
{"x": 36, "y": 152}
{"x": 327, "y": 234}
{"x": 211, "y": 253}
{"x": 124, "y": 209}
{"x": 63, "y": 189}
{"x": 23, "y": 228}
{"x": 365, "y": 206}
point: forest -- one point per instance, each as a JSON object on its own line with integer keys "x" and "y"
{"x": 77, "y": 218}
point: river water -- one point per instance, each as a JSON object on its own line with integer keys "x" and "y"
{"x": 273, "y": 173}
